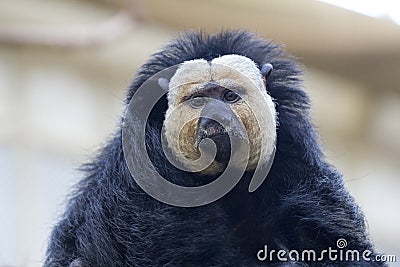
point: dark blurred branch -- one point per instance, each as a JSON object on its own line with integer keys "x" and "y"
{"x": 84, "y": 36}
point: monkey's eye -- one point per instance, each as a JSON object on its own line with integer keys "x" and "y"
{"x": 231, "y": 96}
{"x": 197, "y": 101}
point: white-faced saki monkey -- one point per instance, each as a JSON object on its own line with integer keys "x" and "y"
{"x": 238, "y": 99}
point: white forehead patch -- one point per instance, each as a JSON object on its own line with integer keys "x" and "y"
{"x": 221, "y": 70}
{"x": 192, "y": 71}
{"x": 244, "y": 65}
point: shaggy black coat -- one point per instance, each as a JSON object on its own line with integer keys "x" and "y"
{"x": 302, "y": 204}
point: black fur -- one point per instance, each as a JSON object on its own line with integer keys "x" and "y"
{"x": 303, "y": 203}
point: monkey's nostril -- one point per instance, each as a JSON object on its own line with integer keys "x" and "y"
{"x": 209, "y": 125}
{"x": 208, "y": 128}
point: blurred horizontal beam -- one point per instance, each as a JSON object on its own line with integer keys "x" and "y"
{"x": 78, "y": 36}
{"x": 305, "y": 25}
{"x": 336, "y": 40}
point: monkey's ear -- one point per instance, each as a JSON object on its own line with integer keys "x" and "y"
{"x": 266, "y": 71}
{"x": 163, "y": 83}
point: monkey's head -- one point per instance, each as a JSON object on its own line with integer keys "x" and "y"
{"x": 224, "y": 101}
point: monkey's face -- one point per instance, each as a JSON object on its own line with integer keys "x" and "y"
{"x": 223, "y": 101}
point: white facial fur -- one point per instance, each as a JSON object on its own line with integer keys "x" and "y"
{"x": 256, "y": 109}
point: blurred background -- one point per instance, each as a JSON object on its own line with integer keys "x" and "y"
{"x": 65, "y": 66}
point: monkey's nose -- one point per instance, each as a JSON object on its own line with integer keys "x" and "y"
{"x": 213, "y": 126}
{"x": 208, "y": 125}
{"x": 209, "y": 128}
{"x": 217, "y": 120}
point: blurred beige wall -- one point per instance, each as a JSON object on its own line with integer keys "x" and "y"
{"x": 65, "y": 66}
